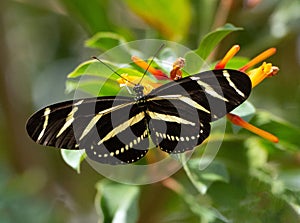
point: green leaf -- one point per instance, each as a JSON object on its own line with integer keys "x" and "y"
{"x": 97, "y": 80}
{"x": 291, "y": 179}
{"x": 96, "y": 68}
{"x": 171, "y": 18}
{"x": 287, "y": 133}
{"x": 118, "y": 203}
{"x": 245, "y": 110}
{"x": 212, "y": 39}
{"x": 93, "y": 68}
{"x": 202, "y": 179}
{"x": 193, "y": 63}
{"x": 197, "y": 203}
{"x": 94, "y": 87}
{"x": 105, "y": 40}
{"x": 73, "y": 158}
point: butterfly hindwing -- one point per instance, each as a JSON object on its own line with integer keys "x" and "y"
{"x": 118, "y": 136}
{"x": 173, "y": 132}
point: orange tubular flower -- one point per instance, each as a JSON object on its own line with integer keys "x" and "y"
{"x": 233, "y": 51}
{"x": 261, "y": 57}
{"x": 158, "y": 74}
{"x": 237, "y": 120}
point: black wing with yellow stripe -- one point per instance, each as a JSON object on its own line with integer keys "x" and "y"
{"x": 116, "y": 130}
{"x": 181, "y": 111}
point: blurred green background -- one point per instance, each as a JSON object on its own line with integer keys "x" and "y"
{"x": 42, "y": 41}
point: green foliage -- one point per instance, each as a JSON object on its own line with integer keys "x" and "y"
{"x": 208, "y": 44}
{"x": 73, "y": 158}
{"x": 212, "y": 39}
{"x": 250, "y": 179}
{"x": 203, "y": 179}
{"x": 172, "y": 21}
{"x": 19, "y": 198}
{"x": 117, "y": 203}
{"x": 93, "y": 16}
{"x": 105, "y": 41}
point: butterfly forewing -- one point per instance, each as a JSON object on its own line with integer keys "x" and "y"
{"x": 110, "y": 129}
{"x": 213, "y": 93}
{"x": 44, "y": 125}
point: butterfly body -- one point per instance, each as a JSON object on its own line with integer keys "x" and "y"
{"x": 116, "y": 129}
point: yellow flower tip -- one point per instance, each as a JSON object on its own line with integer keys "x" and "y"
{"x": 237, "y": 120}
{"x": 123, "y": 79}
{"x": 126, "y": 80}
{"x": 257, "y": 75}
{"x": 261, "y": 57}
{"x": 231, "y": 53}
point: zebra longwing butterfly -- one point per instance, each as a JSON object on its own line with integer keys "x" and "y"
{"x": 117, "y": 129}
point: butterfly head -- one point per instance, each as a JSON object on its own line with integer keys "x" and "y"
{"x": 138, "y": 89}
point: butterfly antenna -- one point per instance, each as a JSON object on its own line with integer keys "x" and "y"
{"x": 96, "y": 58}
{"x": 156, "y": 53}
